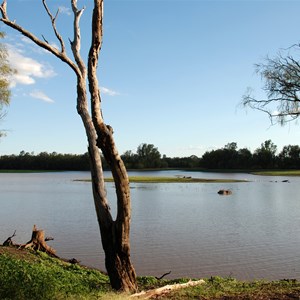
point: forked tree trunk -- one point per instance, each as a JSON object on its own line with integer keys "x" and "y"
{"x": 114, "y": 233}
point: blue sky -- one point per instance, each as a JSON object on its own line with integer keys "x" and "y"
{"x": 172, "y": 74}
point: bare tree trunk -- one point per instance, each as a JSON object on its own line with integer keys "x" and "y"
{"x": 115, "y": 237}
{"x": 114, "y": 233}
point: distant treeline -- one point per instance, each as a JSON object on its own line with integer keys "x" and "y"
{"x": 147, "y": 156}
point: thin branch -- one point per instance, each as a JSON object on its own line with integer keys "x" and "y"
{"x": 61, "y": 55}
{"x": 53, "y": 20}
{"x": 76, "y": 43}
{"x": 3, "y": 9}
{"x": 45, "y": 39}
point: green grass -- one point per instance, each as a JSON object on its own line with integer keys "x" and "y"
{"x": 38, "y": 276}
{"x": 278, "y": 173}
{"x": 149, "y": 179}
{"x": 230, "y": 288}
{"x": 29, "y": 275}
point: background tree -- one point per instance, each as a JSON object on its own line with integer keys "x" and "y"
{"x": 148, "y": 156}
{"x": 281, "y": 76}
{"x": 5, "y": 72}
{"x": 114, "y": 233}
{"x": 289, "y": 157}
{"x": 265, "y": 156}
{"x": 245, "y": 159}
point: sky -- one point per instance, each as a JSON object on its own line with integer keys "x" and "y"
{"x": 172, "y": 73}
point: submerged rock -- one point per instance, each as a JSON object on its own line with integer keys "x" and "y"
{"x": 224, "y": 192}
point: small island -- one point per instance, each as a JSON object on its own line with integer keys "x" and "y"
{"x": 178, "y": 179}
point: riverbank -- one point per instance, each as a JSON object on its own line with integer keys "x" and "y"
{"x": 31, "y": 275}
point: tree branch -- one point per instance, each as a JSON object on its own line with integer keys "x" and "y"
{"x": 76, "y": 43}
{"x": 61, "y": 55}
{"x": 53, "y": 20}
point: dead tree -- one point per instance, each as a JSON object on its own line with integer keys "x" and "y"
{"x": 114, "y": 233}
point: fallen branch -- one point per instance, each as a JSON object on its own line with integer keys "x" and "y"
{"x": 162, "y": 276}
{"x": 166, "y": 289}
{"x": 9, "y": 242}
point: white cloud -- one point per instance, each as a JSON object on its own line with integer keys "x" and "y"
{"x": 108, "y": 92}
{"x": 28, "y": 69}
{"x": 65, "y": 10}
{"x": 41, "y": 96}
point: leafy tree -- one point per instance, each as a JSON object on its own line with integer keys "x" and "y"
{"x": 114, "y": 233}
{"x": 231, "y": 146}
{"x": 289, "y": 157}
{"x": 265, "y": 156}
{"x": 148, "y": 156}
{"x": 130, "y": 159}
{"x": 5, "y": 72}
{"x": 281, "y": 76}
{"x": 225, "y": 158}
{"x": 245, "y": 159}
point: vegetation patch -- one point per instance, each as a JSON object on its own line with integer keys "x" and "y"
{"x": 35, "y": 275}
{"x": 278, "y": 173}
{"x": 26, "y": 275}
{"x": 230, "y": 288}
{"x": 149, "y": 179}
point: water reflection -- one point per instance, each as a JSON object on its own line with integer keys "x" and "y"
{"x": 186, "y": 228}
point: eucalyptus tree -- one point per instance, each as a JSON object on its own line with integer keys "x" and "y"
{"x": 114, "y": 233}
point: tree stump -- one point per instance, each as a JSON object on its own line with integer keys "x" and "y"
{"x": 38, "y": 242}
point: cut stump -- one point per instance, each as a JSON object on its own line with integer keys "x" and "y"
{"x": 38, "y": 242}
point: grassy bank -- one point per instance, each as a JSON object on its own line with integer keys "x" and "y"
{"x": 27, "y": 275}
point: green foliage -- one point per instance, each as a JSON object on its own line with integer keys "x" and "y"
{"x": 147, "y": 282}
{"x": 37, "y": 276}
{"x": 48, "y": 278}
{"x": 227, "y": 158}
{"x": 5, "y": 73}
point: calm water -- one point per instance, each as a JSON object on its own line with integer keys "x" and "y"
{"x": 186, "y": 228}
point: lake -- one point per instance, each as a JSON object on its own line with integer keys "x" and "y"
{"x": 183, "y": 227}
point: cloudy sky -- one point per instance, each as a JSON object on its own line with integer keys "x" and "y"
{"x": 172, "y": 73}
